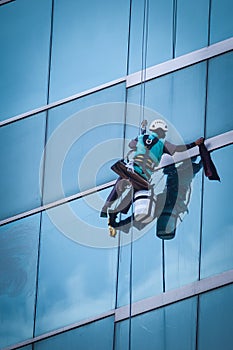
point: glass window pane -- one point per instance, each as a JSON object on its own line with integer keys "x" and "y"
{"x": 95, "y": 335}
{"x": 217, "y": 237}
{"x": 177, "y": 97}
{"x": 146, "y": 269}
{"x": 21, "y": 147}
{"x": 24, "y": 41}
{"x": 18, "y": 270}
{"x": 159, "y": 47}
{"x": 171, "y": 328}
{"x": 89, "y": 45}
{"x": 191, "y": 34}
{"x": 187, "y": 101}
{"x": 216, "y": 320}
{"x": 82, "y": 285}
{"x": 85, "y": 137}
{"x": 122, "y": 335}
{"x": 220, "y": 97}
{"x": 182, "y": 252}
{"x": 221, "y": 20}
{"x": 159, "y": 41}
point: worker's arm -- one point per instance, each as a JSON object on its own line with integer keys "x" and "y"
{"x": 133, "y": 144}
{"x": 171, "y": 148}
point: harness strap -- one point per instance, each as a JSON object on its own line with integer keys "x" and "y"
{"x": 144, "y": 161}
{"x": 149, "y": 143}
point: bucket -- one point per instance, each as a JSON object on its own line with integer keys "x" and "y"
{"x": 144, "y": 206}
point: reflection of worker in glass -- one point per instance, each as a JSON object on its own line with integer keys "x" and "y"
{"x": 148, "y": 148}
{"x": 175, "y": 197}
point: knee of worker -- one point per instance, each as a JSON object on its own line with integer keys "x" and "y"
{"x": 122, "y": 185}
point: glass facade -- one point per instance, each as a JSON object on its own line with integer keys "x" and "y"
{"x": 24, "y": 62}
{"x": 78, "y": 129}
{"x": 69, "y": 289}
{"x": 190, "y": 33}
{"x": 22, "y": 145}
{"x": 99, "y": 332}
{"x": 72, "y": 97}
{"x": 86, "y": 41}
{"x": 18, "y": 267}
{"x": 161, "y": 328}
{"x": 219, "y": 106}
{"x": 215, "y": 325}
{"x": 217, "y": 232}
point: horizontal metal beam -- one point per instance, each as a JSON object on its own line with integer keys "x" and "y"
{"x": 145, "y": 305}
{"x": 136, "y": 78}
{"x": 175, "y": 295}
{"x": 61, "y": 330}
{"x": 3, "y": 2}
{"x": 62, "y": 101}
{"x": 212, "y": 144}
{"x": 57, "y": 203}
{"x": 180, "y": 62}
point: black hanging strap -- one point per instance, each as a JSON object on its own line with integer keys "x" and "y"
{"x": 209, "y": 167}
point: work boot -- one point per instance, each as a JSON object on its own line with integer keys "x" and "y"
{"x": 104, "y": 210}
{"x": 112, "y": 231}
{"x": 112, "y": 223}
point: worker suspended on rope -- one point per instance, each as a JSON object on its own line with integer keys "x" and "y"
{"x": 148, "y": 149}
{"x": 168, "y": 206}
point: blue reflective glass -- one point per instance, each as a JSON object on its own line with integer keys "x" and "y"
{"x": 77, "y": 276}
{"x": 96, "y": 335}
{"x": 122, "y": 335}
{"x": 187, "y": 101}
{"x": 89, "y": 45}
{"x": 159, "y": 38}
{"x": 177, "y": 97}
{"x": 182, "y": 252}
{"x": 217, "y": 237}
{"x": 136, "y": 36}
{"x": 221, "y": 20}
{"x": 172, "y": 327}
{"x": 24, "y": 42}
{"x": 84, "y": 138}
{"x": 160, "y": 24}
{"x": 220, "y": 97}
{"x": 216, "y": 319}
{"x": 21, "y": 147}
{"x": 146, "y": 268}
{"x": 18, "y": 269}
{"x": 191, "y": 34}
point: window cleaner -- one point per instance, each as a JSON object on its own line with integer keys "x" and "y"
{"x": 148, "y": 149}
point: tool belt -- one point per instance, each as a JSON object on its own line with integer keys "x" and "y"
{"x": 137, "y": 180}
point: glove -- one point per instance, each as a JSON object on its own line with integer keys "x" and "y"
{"x": 199, "y": 141}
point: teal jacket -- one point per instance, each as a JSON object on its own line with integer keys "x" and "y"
{"x": 149, "y": 150}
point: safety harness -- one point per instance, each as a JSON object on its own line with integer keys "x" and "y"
{"x": 144, "y": 161}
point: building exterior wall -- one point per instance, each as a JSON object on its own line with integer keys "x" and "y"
{"x": 77, "y": 78}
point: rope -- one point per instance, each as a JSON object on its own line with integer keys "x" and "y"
{"x": 142, "y": 104}
{"x": 174, "y": 25}
{"x": 143, "y": 58}
{"x": 131, "y": 276}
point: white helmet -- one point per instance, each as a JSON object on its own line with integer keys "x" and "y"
{"x": 158, "y": 124}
